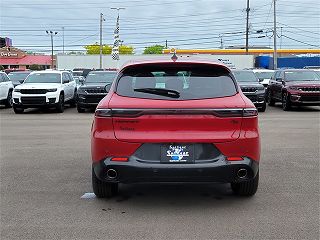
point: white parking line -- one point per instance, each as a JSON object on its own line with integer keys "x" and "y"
{"x": 88, "y": 196}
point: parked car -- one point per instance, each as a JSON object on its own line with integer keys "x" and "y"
{"x": 94, "y": 88}
{"x": 193, "y": 124}
{"x": 18, "y": 77}
{"x": 6, "y": 88}
{"x": 264, "y": 76}
{"x": 251, "y": 88}
{"x": 45, "y": 89}
{"x": 294, "y": 87}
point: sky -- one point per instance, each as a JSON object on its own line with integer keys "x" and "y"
{"x": 185, "y": 24}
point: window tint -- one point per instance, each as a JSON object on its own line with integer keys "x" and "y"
{"x": 301, "y": 76}
{"x": 104, "y": 77}
{"x": 245, "y": 76}
{"x": 65, "y": 76}
{"x": 70, "y": 77}
{"x": 43, "y": 78}
{"x": 276, "y": 75}
{"x": 18, "y": 76}
{"x": 264, "y": 75}
{"x": 2, "y": 79}
{"x": 188, "y": 82}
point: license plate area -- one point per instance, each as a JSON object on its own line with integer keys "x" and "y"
{"x": 177, "y": 153}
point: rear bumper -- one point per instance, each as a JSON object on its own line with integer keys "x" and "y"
{"x": 220, "y": 170}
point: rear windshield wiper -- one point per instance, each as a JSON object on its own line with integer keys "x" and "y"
{"x": 159, "y": 91}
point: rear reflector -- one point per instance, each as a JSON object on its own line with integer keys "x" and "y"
{"x": 234, "y": 158}
{"x": 120, "y": 159}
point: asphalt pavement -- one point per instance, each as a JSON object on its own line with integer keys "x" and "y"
{"x": 45, "y": 169}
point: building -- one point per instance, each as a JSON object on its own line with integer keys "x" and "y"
{"x": 14, "y": 58}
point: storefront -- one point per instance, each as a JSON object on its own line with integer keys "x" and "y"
{"x": 13, "y": 58}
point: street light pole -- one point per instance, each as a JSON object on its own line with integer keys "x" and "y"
{"x": 51, "y": 33}
{"x": 275, "y": 56}
{"x": 100, "y": 52}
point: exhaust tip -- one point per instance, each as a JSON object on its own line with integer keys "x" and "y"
{"x": 112, "y": 174}
{"x": 242, "y": 173}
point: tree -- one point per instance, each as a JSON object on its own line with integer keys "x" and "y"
{"x": 35, "y": 67}
{"x": 154, "y": 49}
{"x": 106, "y": 49}
{"x": 95, "y": 49}
{"x": 123, "y": 49}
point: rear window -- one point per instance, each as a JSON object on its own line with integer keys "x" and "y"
{"x": 176, "y": 82}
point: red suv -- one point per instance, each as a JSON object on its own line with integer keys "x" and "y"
{"x": 175, "y": 121}
{"x": 294, "y": 87}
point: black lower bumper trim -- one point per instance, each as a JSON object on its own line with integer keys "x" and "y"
{"x": 133, "y": 171}
{"x": 47, "y": 105}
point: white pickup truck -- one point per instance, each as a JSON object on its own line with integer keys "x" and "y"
{"x": 6, "y": 88}
{"x": 45, "y": 89}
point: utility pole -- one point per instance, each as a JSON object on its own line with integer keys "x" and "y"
{"x": 101, "y": 21}
{"x": 281, "y": 37}
{"x": 63, "y": 40}
{"x": 275, "y": 57}
{"x": 166, "y": 44}
{"x": 247, "y": 27}
{"x": 51, "y": 34}
{"x": 221, "y": 41}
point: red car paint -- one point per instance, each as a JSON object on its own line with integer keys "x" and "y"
{"x": 118, "y": 136}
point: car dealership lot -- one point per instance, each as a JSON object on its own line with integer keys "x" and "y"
{"x": 45, "y": 168}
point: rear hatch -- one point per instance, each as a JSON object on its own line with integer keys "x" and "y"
{"x": 187, "y": 121}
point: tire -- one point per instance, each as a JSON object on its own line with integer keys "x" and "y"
{"x": 17, "y": 110}
{"x": 73, "y": 101}
{"x": 103, "y": 189}
{"x": 60, "y": 104}
{"x": 263, "y": 108}
{"x": 9, "y": 101}
{"x": 286, "y": 103}
{"x": 271, "y": 102}
{"x": 247, "y": 188}
{"x": 80, "y": 109}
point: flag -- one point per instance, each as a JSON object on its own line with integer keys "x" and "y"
{"x": 116, "y": 43}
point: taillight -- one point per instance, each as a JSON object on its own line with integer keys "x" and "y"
{"x": 100, "y": 112}
{"x": 131, "y": 113}
{"x": 250, "y": 112}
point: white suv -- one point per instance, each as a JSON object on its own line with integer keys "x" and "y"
{"x": 6, "y": 88}
{"x": 45, "y": 89}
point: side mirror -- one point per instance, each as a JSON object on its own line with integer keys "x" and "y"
{"x": 279, "y": 79}
{"x": 107, "y": 87}
{"x": 65, "y": 81}
{"x": 81, "y": 80}
{"x": 260, "y": 80}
